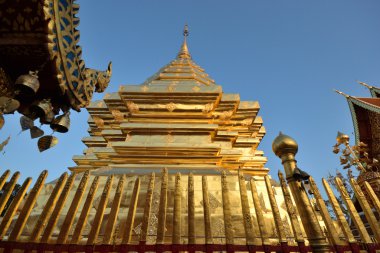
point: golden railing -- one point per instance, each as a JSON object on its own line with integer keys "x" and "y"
{"x": 71, "y": 238}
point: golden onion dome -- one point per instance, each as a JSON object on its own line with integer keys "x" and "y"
{"x": 284, "y": 144}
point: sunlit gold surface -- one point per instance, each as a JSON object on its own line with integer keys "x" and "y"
{"x": 117, "y": 215}
{"x": 74, "y": 205}
{"x": 178, "y": 119}
{"x": 9, "y": 188}
{"x": 352, "y": 210}
{"x": 180, "y": 126}
{"x": 285, "y": 148}
{"x": 100, "y": 211}
{"x": 372, "y": 196}
{"x": 339, "y": 213}
{"x": 7, "y": 219}
{"x": 57, "y": 209}
{"x": 333, "y": 234}
{"x": 85, "y": 211}
{"x": 27, "y": 208}
{"x": 50, "y": 204}
{"x": 284, "y": 144}
{"x": 127, "y": 235}
{"x": 368, "y": 212}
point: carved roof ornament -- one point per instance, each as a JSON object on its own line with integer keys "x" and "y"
{"x": 75, "y": 80}
{"x": 144, "y": 88}
{"x": 45, "y": 60}
{"x": 208, "y": 108}
{"x": 118, "y": 115}
{"x": 196, "y": 88}
{"x": 225, "y": 115}
{"x": 132, "y": 107}
{"x": 171, "y": 107}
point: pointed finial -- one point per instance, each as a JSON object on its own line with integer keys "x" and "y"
{"x": 184, "y": 51}
{"x": 341, "y": 93}
{"x": 365, "y": 84}
{"x": 186, "y": 31}
{"x": 284, "y": 144}
{"x": 342, "y": 138}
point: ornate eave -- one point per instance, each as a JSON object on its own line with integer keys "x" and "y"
{"x": 365, "y": 114}
{"x": 41, "y": 36}
{"x": 375, "y": 91}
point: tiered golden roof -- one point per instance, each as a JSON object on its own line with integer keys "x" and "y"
{"x": 177, "y": 119}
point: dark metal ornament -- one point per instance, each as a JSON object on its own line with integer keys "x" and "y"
{"x": 299, "y": 174}
{"x": 26, "y": 123}
{"x": 46, "y": 142}
{"x": 61, "y": 123}
{"x": 43, "y": 110}
{"x": 48, "y": 118}
{"x": 8, "y": 105}
{"x": 2, "y": 121}
{"x": 4, "y": 143}
{"x": 27, "y": 85}
{"x": 26, "y": 111}
{"x": 36, "y": 132}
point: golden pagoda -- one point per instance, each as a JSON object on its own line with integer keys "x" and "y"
{"x": 172, "y": 165}
{"x": 178, "y": 119}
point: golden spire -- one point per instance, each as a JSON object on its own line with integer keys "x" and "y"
{"x": 184, "y": 52}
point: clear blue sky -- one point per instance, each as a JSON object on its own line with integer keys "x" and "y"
{"x": 288, "y": 55}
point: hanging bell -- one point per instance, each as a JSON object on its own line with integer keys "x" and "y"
{"x": 299, "y": 174}
{"x": 61, "y": 123}
{"x": 8, "y": 105}
{"x": 43, "y": 110}
{"x": 26, "y": 123}
{"x": 48, "y": 118}
{"x": 26, "y": 111}
{"x": 27, "y": 85}
{"x": 36, "y": 132}
{"x": 46, "y": 142}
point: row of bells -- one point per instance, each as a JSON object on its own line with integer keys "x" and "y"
{"x": 26, "y": 87}
{"x": 44, "y": 111}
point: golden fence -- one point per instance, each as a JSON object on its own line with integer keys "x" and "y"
{"x": 120, "y": 235}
